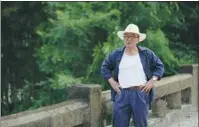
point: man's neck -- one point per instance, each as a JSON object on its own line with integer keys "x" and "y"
{"x": 131, "y": 51}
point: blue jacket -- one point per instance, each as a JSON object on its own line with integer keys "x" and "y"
{"x": 151, "y": 63}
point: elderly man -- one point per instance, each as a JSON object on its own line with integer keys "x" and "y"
{"x": 136, "y": 69}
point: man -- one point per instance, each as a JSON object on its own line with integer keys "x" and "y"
{"x": 136, "y": 69}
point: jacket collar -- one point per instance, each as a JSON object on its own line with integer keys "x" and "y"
{"x": 140, "y": 48}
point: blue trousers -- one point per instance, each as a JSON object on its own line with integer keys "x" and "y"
{"x": 130, "y": 102}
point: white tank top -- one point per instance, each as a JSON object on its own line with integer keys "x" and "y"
{"x": 131, "y": 71}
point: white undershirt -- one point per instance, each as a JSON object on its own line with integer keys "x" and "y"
{"x": 131, "y": 72}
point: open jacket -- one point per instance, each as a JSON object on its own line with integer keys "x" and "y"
{"x": 151, "y": 63}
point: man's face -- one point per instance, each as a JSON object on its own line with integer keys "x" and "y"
{"x": 131, "y": 39}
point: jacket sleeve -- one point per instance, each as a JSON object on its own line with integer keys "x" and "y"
{"x": 107, "y": 66}
{"x": 157, "y": 66}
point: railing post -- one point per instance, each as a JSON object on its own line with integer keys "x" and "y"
{"x": 193, "y": 69}
{"x": 92, "y": 94}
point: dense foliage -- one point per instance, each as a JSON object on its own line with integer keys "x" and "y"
{"x": 48, "y": 46}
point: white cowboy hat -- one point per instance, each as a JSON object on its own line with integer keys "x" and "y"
{"x": 134, "y": 29}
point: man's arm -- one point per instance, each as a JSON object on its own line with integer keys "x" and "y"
{"x": 107, "y": 67}
{"x": 106, "y": 71}
{"x": 157, "y": 66}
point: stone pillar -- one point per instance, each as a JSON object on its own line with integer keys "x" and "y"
{"x": 192, "y": 69}
{"x": 159, "y": 108}
{"x": 174, "y": 100}
{"x": 92, "y": 94}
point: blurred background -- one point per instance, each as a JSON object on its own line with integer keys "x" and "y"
{"x": 48, "y": 46}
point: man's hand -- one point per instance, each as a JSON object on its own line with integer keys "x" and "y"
{"x": 147, "y": 86}
{"x": 115, "y": 85}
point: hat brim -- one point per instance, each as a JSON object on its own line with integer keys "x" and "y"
{"x": 142, "y": 36}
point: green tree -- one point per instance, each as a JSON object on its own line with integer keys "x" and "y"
{"x": 19, "y": 40}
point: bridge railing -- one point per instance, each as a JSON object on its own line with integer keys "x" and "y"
{"x": 83, "y": 109}
{"x": 88, "y": 106}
